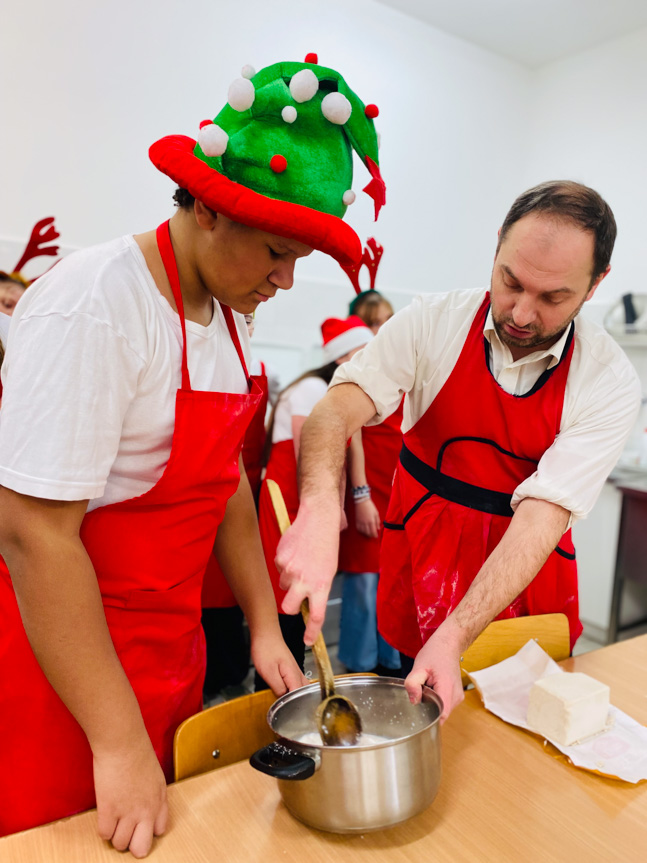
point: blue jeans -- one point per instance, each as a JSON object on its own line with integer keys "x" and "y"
{"x": 361, "y": 647}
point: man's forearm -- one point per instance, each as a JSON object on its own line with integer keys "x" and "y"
{"x": 307, "y": 555}
{"x": 325, "y": 434}
{"x": 534, "y": 531}
{"x": 322, "y": 454}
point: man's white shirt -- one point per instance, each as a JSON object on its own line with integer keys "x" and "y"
{"x": 416, "y": 351}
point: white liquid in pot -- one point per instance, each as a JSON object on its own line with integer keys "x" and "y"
{"x": 313, "y": 738}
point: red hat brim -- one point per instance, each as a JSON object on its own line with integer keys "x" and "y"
{"x": 174, "y": 156}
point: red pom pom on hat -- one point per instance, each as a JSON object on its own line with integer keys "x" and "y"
{"x": 342, "y": 335}
{"x": 278, "y": 163}
{"x": 312, "y": 58}
{"x": 372, "y": 111}
{"x": 204, "y": 123}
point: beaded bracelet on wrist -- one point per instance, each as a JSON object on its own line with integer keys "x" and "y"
{"x": 361, "y": 493}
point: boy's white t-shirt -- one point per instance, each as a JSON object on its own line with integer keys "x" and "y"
{"x": 91, "y": 374}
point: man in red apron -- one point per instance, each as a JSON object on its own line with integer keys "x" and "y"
{"x": 516, "y": 410}
{"x": 126, "y": 399}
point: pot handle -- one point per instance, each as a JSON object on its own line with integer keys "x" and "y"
{"x": 283, "y": 763}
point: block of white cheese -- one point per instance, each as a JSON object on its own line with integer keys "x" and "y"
{"x": 568, "y": 707}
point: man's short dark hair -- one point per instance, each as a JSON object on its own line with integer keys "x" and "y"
{"x": 566, "y": 200}
{"x": 183, "y": 199}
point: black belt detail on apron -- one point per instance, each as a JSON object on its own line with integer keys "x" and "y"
{"x": 565, "y": 554}
{"x": 390, "y": 526}
{"x": 473, "y": 496}
{"x": 455, "y": 490}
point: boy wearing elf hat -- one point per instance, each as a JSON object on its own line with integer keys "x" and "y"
{"x": 126, "y": 400}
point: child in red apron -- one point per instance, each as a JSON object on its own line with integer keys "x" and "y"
{"x": 120, "y": 452}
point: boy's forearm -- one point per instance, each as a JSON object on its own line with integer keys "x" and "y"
{"x": 62, "y": 612}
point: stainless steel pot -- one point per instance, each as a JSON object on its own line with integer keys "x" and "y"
{"x": 355, "y": 789}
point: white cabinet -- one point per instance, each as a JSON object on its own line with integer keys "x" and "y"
{"x": 596, "y": 544}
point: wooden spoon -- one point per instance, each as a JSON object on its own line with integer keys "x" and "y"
{"x": 338, "y": 721}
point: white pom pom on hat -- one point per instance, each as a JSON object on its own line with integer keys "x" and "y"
{"x": 348, "y": 197}
{"x": 289, "y": 113}
{"x": 248, "y": 71}
{"x": 304, "y": 85}
{"x": 212, "y": 139}
{"x": 336, "y": 108}
{"x": 241, "y": 94}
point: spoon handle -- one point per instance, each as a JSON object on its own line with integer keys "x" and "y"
{"x": 326, "y": 678}
{"x": 320, "y": 653}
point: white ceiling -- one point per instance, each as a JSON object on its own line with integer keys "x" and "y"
{"x": 531, "y": 32}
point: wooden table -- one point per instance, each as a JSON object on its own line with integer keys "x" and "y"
{"x": 502, "y": 798}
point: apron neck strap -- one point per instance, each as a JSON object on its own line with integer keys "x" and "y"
{"x": 163, "y": 234}
{"x": 233, "y": 332}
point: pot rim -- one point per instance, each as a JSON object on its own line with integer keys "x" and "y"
{"x": 428, "y": 695}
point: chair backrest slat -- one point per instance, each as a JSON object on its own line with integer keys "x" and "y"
{"x": 503, "y": 638}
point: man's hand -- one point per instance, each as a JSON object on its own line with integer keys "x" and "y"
{"x": 276, "y": 665}
{"x": 131, "y": 798}
{"x": 367, "y": 518}
{"x": 437, "y": 665}
{"x": 307, "y": 559}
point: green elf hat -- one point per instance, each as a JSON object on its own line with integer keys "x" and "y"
{"x": 279, "y": 156}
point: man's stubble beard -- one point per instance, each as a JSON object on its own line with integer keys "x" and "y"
{"x": 539, "y": 339}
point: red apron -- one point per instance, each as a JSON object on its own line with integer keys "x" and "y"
{"x": 149, "y": 554}
{"x": 254, "y": 442}
{"x": 281, "y": 467}
{"x": 450, "y": 505}
{"x": 216, "y": 593}
{"x": 382, "y": 444}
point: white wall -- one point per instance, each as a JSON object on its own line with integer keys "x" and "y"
{"x": 589, "y": 123}
{"x": 88, "y": 86}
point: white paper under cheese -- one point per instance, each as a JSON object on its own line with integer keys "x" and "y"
{"x": 568, "y": 707}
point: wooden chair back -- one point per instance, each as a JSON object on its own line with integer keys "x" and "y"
{"x": 222, "y": 734}
{"x": 503, "y": 638}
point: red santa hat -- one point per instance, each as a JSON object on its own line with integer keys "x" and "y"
{"x": 342, "y": 335}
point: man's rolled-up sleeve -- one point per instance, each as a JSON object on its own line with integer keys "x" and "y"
{"x": 386, "y": 368}
{"x": 573, "y": 470}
